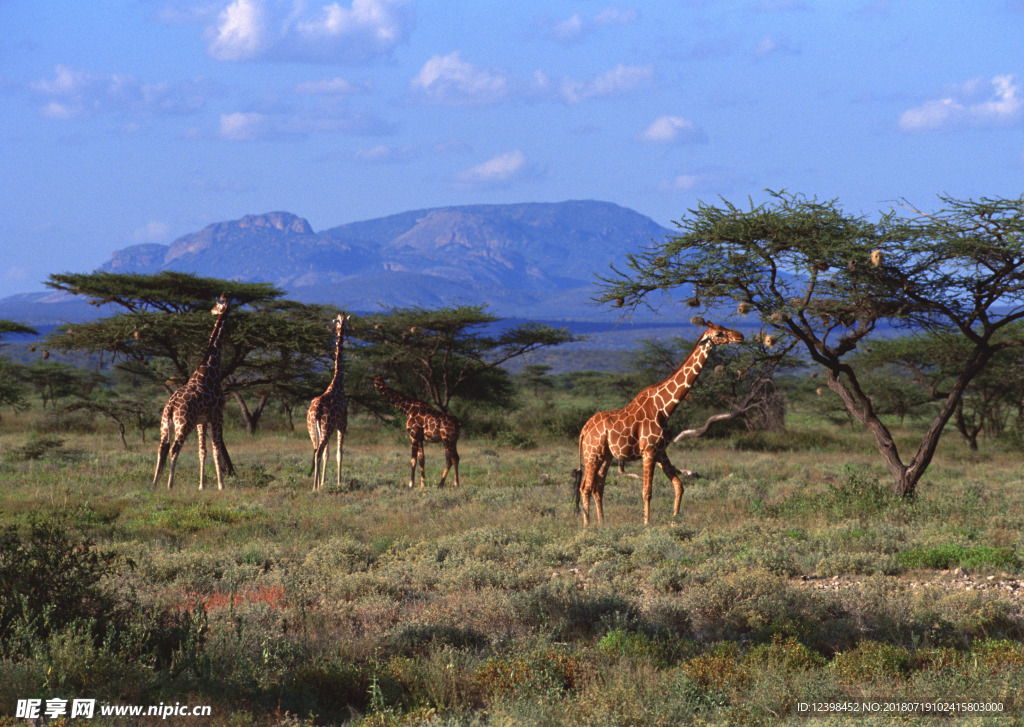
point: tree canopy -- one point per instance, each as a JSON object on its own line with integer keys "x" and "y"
{"x": 270, "y": 345}
{"x": 435, "y": 354}
{"x": 829, "y": 279}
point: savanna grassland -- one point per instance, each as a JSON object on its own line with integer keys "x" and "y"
{"x": 791, "y": 576}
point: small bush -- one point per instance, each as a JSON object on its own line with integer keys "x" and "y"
{"x": 787, "y": 655}
{"x": 945, "y": 557}
{"x": 544, "y": 671}
{"x": 872, "y": 661}
{"x": 721, "y": 669}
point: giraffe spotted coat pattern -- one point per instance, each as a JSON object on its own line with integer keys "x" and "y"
{"x": 329, "y": 412}
{"x": 425, "y": 424}
{"x": 198, "y": 404}
{"x": 638, "y": 431}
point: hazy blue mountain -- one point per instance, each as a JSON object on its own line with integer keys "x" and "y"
{"x": 521, "y": 259}
{"x": 535, "y": 260}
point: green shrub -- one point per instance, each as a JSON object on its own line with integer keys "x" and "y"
{"x": 872, "y": 661}
{"x": 952, "y": 555}
{"x": 787, "y": 655}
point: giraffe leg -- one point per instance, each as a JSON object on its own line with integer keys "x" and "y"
{"x": 421, "y": 458}
{"x": 181, "y": 432}
{"x": 648, "y": 484}
{"x": 451, "y": 458}
{"x": 590, "y": 468}
{"x": 320, "y": 462}
{"x": 415, "y": 449}
{"x": 165, "y": 445}
{"x": 341, "y": 441}
{"x": 219, "y": 451}
{"x": 673, "y": 474}
{"x": 201, "y": 433}
{"x": 599, "y": 480}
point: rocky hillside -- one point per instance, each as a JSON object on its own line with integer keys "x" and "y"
{"x": 536, "y": 260}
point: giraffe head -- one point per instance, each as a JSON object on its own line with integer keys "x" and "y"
{"x": 717, "y": 335}
{"x": 378, "y": 382}
{"x": 340, "y": 321}
{"x": 223, "y": 302}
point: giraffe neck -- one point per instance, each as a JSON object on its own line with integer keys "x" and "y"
{"x": 671, "y": 391}
{"x": 404, "y": 403}
{"x": 338, "y": 380}
{"x": 209, "y": 368}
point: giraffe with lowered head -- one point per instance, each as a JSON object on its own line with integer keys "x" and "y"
{"x": 199, "y": 403}
{"x": 425, "y": 424}
{"x": 329, "y": 412}
{"x": 639, "y": 431}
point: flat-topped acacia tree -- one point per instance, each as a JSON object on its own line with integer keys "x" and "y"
{"x": 272, "y": 346}
{"x": 831, "y": 280}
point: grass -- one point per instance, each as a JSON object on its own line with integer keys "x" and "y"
{"x": 374, "y": 604}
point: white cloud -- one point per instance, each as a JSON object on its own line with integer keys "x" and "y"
{"x": 385, "y": 154}
{"x": 257, "y": 30}
{"x": 500, "y": 170}
{"x": 154, "y": 231}
{"x": 75, "y": 93}
{"x": 672, "y": 130}
{"x": 576, "y": 27}
{"x": 335, "y": 86}
{"x": 619, "y": 80}
{"x": 277, "y": 123}
{"x": 682, "y": 183}
{"x": 449, "y": 80}
{"x": 772, "y": 45}
{"x": 977, "y": 103}
{"x": 244, "y": 126}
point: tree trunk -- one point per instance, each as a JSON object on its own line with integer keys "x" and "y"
{"x": 251, "y": 418}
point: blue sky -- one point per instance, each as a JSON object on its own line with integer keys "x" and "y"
{"x": 139, "y": 121}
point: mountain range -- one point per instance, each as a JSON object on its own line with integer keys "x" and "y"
{"x": 523, "y": 260}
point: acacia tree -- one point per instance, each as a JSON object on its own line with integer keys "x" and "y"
{"x": 442, "y": 352}
{"x": 11, "y": 393}
{"x": 932, "y": 361}
{"x": 831, "y": 280}
{"x": 159, "y": 336}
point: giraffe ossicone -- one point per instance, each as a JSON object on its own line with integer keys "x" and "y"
{"x": 199, "y": 403}
{"x": 425, "y": 424}
{"x": 329, "y": 412}
{"x": 639, "y": 431}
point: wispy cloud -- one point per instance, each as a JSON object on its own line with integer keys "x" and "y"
{"x": 451, "y": 81}
{"x": 386, "y": 154}
{"x": 274, "y": 123}
{"x": 977, "y": 103}
{"x": 247, "y": 30}
{"x": 500, "y": 170}
{"x": 154, "y": 231}
{"x": 617, "y": 81}
{"x": 75, "y": 93}
{"x": 672, "y": 130}
{"x": 577, "y": 27}
{"x": 775, "y": 45}
{"x": 332, "y": 87}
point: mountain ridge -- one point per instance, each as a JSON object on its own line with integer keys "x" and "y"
{"x": 528, "y": 260}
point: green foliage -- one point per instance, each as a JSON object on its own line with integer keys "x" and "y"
{"x": 872, "y": 661}
{"x": 952, "y": 555}
{"x": 828, "y": 280}
{"x": 436, "y": 354}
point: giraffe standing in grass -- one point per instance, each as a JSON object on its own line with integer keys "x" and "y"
{"x": 425, "y": 424}
{"x": 199, "y": 403}
{"x": 639, "y": 431}
{"x": 329, "y": 412}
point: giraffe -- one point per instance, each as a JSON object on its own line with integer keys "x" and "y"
{"x": 329, "y": 412}
{"x": 199, "y": 403}
{"x": 638, "y": 431}
{"x": 425, "y": 424}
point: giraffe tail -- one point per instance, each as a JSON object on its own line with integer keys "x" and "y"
{"x": 577, "y": 480}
